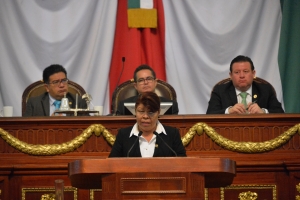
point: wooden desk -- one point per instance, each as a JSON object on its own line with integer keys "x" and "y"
{"x": 157, "y": 178}
{"x": 271, "y": 174}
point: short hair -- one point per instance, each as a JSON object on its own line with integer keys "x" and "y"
{"x": 142, "y": 67}
{"x": 241, "y": 58}
{"x": 150, "y": 100}
{"x": 52, "y": 69}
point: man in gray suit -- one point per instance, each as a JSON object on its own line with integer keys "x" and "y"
{"x": 56, "y": 84}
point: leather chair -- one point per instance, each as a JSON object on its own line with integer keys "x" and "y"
{"x": 127, "y": 89}
{"x": 256, "y": 79}
{"x": 37, "y": 88}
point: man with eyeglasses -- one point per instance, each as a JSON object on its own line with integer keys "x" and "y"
{"x": 144, "y": 81}
{"x": 56, "y": 84}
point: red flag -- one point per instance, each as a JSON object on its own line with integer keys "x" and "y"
{"x": 138, "y": 46}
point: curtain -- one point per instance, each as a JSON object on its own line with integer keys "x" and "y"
{"x": 137, "y": 46}
{"x": 35, "y": 34}
{"x": 201, "y": 38}
{"x": 289, "y": 51}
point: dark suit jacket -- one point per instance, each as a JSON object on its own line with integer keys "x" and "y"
{"x": 39, "y": 106}
{"x": 123, "y": 143}
{"x": 224, "y": 96}
{"x": 120, "y": 110}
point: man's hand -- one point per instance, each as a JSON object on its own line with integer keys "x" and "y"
{"x": 253, "y": 108}
{"x": 238, "y": 108}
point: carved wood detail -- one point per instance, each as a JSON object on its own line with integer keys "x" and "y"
{"x": 279, "y": 168}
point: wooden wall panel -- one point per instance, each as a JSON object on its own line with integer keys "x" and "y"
{"x": 278, "y": 170}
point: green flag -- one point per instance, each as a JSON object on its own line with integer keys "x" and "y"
{"x": 289, "y": 55}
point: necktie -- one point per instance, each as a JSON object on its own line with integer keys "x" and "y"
{"x": 244, "y": 96}
{"x": 57, "y": 104}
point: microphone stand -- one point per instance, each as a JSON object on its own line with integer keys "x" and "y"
{"x": 140, "y": 133}
{"x": 157, "y": 135}
{"x": 123, "y": 61}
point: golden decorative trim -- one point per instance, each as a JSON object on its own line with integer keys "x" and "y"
{"x": 241, "y": 147}
{"x": 56, "y": 149}
{"x": 50, "y": 196}
{"x": 50, "y": 190}
{"x": 298, "y": 190}
{"x": 249, "y": 187}
{"x": 92, "y": 195}
{"x": 199, "y": 128}
{"x": 248, "y": 195}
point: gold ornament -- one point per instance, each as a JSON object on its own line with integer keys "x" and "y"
{"x": 199, "y": 129}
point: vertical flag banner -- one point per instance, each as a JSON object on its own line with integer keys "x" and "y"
{"x": 137, "y": 45}
{"x": 288, "y": 55}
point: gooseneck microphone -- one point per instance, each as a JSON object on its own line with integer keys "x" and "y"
{"x": 123, "y": 63}
{"x": 137, "y": 138}
{"x": 157, "y": 135}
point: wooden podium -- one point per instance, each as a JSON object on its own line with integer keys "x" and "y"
{"x": 152, "y": 178}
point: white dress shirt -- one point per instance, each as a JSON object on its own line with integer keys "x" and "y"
{"x": 147, "y": 148}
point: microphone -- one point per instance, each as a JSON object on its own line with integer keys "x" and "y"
{"x": 157, "y": 135}
{"x": 140, "y": 133}
{"x": 123, "y": 62}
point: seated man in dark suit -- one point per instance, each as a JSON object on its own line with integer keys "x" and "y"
{"x": 56, "y": 84}
{"x": 242, "y": 95}
{"x": 144, "y": 81}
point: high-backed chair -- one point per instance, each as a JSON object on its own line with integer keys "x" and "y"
{"x": 37, "y": 88}
{"x": 127, "y": 89}
{"x": 256, "y": 79}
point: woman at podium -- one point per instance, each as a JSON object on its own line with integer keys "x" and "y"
{"x": 148, "y": 137}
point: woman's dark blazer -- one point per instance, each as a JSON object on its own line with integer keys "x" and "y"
{"x": 123, "y": 143}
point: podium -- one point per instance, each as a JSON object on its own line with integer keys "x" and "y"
{"x": 152, "y": 178}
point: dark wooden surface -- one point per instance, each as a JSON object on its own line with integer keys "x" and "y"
{"x": 213, "y": 167}
{"x": 274, "y": 173}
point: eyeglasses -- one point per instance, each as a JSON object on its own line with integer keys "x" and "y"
{"x": 149, "y": 114}
{"x": 58, "y": 82}
{"x": 149, "y": 79}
